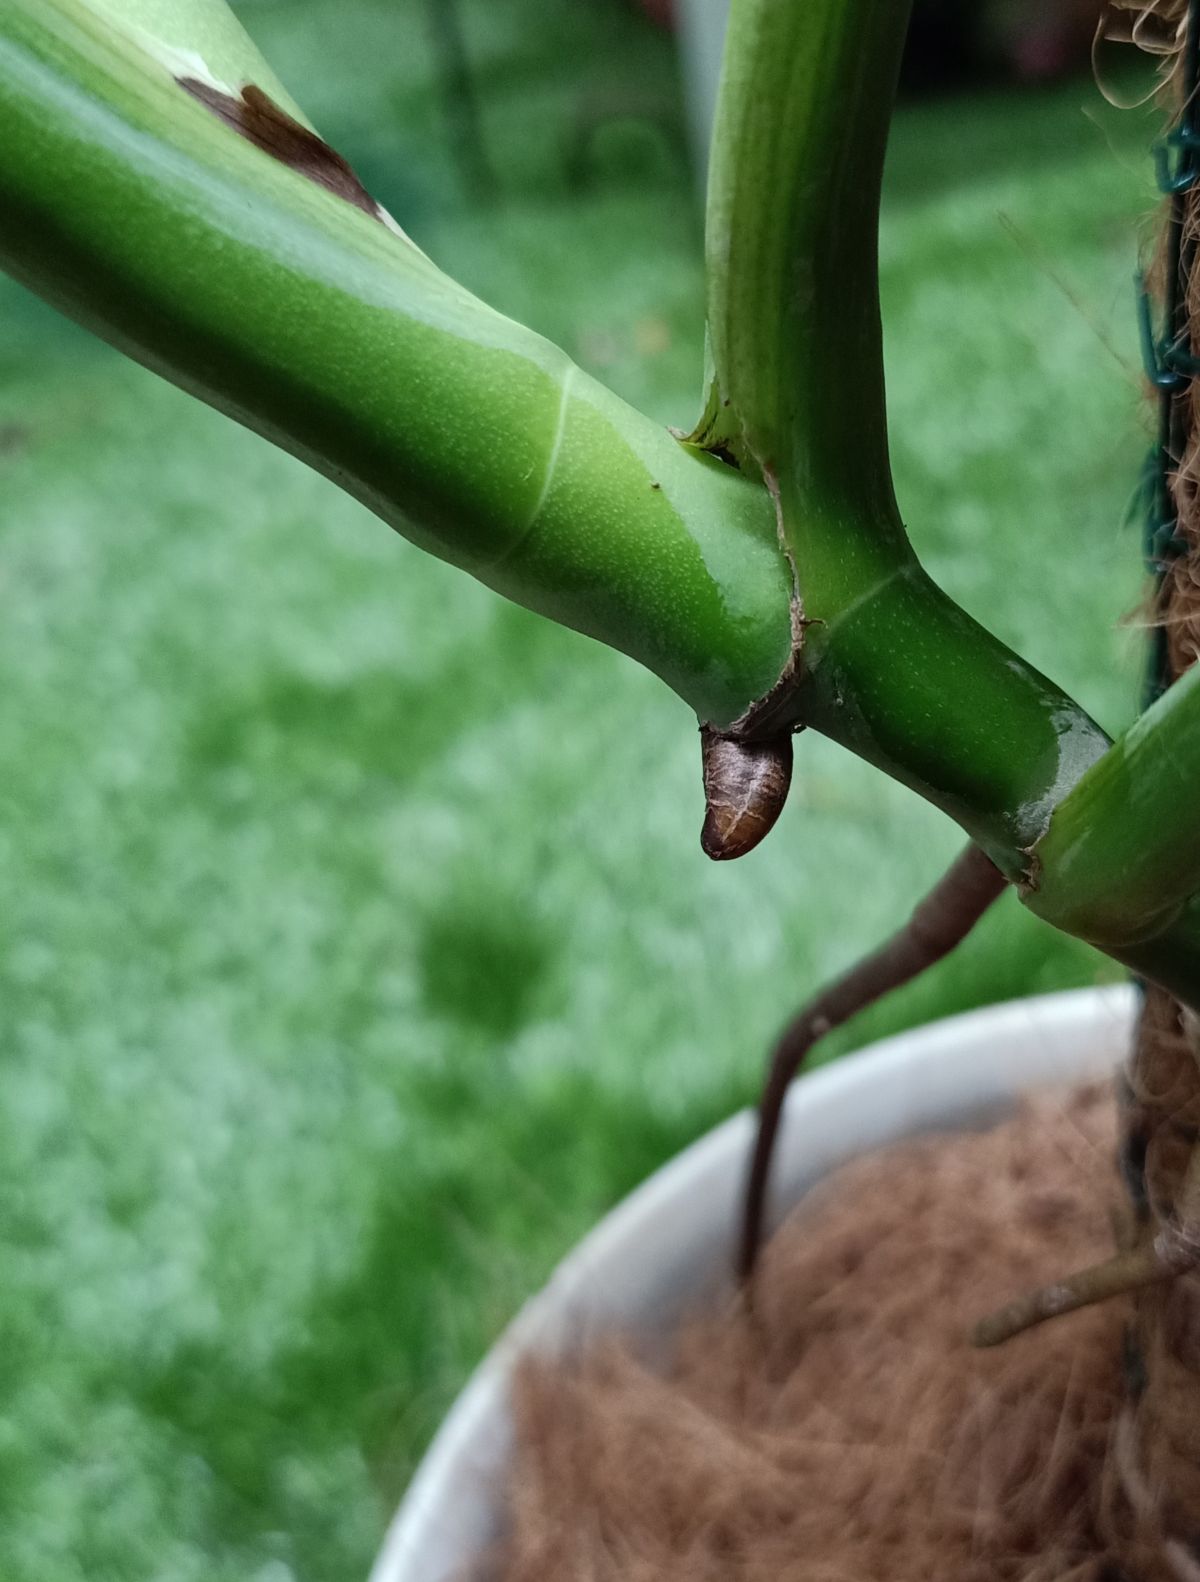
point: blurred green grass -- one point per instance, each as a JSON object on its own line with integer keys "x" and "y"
{"x": 356, "y": 949}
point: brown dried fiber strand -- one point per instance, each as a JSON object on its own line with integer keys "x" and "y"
{"x": 1155, "y": 26}
{"x": 848, "y": 1432}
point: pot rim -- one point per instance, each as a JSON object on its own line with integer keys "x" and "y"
{"x": 660, "y": 1251}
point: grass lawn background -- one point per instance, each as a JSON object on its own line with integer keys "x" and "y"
{"x": 356, "y": 949}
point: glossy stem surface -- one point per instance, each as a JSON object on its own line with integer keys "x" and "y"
{"x": 137, "y": 210}
{"x": 1119, "y": 862}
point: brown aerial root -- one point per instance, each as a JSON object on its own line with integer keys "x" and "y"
{"x": 940, "y": 922}
{"x": 1170, "y": 1254}
{"x": 745, "y": 786}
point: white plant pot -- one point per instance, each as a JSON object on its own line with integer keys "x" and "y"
{"x": 668, "y": 1246}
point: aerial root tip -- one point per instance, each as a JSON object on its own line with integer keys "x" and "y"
{"x": 745, "y": 786}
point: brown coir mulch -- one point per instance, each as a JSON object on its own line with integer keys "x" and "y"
{"x": 846, "y": 1432}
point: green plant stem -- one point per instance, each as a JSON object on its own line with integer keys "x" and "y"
{"x": 803, "y": 113}
{"x": 1131, "y": 818}
{"x": 892, "y": 668}
{"x": 1117, "y": 865}
{"x": 135, "y": 209}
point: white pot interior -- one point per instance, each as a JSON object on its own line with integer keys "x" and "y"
{"x": 667, "y": 1247}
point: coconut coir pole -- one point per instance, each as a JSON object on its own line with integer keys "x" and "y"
{"x": 1173, "y": 1250}
{"x": 1153, "y": 1510}
{"x": 1150, "y": 1511}
{"x": 940, "y": 922}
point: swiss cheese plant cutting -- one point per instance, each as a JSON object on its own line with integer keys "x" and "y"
{"x": 159, "y": 184}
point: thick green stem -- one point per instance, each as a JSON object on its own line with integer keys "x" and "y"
{"x": 906, "y": 679}
{"x": 892, "y": 668}
{"x": 793, "y": 215}
{"x": 128, "y": 202}
{"x": 133, "y": 207}
{"x": 1122, "y": 853}
{"x": 1119, "y": 862}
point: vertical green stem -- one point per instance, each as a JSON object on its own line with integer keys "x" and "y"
{"x": 793, "y": 216}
